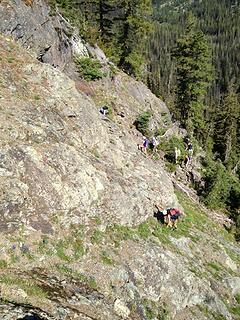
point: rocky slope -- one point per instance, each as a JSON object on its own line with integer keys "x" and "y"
{"x": 31, "y": 23}
{"x": 78, "y": 235}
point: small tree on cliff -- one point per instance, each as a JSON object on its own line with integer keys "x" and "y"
{"x": 194, "y": 72}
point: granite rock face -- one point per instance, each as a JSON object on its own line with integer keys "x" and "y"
{"x": 60, "y": 155}
{"x": 31, "y": 23}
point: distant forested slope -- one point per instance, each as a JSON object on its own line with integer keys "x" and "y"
{"x": 219, "y": 20}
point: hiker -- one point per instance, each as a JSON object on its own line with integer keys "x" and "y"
{"x": 177, "y": 154}
{"x": 103, "y": 110}
{"x": 187, "y": 159}
{"x": 159, "y": 214}
{"x": 155, "y": 143}
{"x": 190, "y": 149}
{"x": 172, "y": 217}
{"x": 144, "y": 145}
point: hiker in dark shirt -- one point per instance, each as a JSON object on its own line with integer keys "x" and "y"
{"x": 144, "y": 145}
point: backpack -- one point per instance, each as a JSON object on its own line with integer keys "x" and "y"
{"x": 190, "y": 147}
{"x": 173, "y": 212}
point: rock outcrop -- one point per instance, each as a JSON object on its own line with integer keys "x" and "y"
{"x": 31, "y": 23}
{"x": 62, "y": 156}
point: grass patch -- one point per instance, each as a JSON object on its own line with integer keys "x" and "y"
{"x": 215, "y": 266}
{"x": 106, "y": 259}
{"x": 118, "y": 233}
{"x": 215, "y": 269}
{"x": 163, "y": 234}
{"x": 237, "y": 297}
{"x": 166, "y": 118}
{"x": 36, "y": 97}
{"x": 195, "y": 238}
{"x": 97, "y": 221}
{"x": 43, "y": 247}
{"x": 10, "y": 59}
{"x": 30, "y": 256}
{"x": 63, "y": 269}
{"x": 97, "y": 236}
{"x": 79, "y": 249}
{"x": 153, "y": 310}
{"x": 236, "y": 311}
{"x": 194, "y": 220}
{"x": 90, "y": 281}
{"x": 171, "y": 167}
{"x": 14, "y": 258}
{"x": 61, "y": 247}
{"x": 150, "y": 228}
{"x": 3, "y": 264}
{"x": 144, "y": 230}
{"x": 96, "y": 153}
{"x": 233, "y": 255}
{"x": 78, "y": 231}
{"x": 210, "y": 314}
{"x": 27, "y": 285}
{"x": 195, "y": 217}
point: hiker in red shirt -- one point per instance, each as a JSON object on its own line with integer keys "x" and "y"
{"x": 172, "y": 217}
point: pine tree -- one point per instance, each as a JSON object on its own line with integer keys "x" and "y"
{"x": 136, "y": 25}
{"x": 227, "y": 130}
{"x": 194, "y": 72}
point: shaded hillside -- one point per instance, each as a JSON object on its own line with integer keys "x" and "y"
{"x": 219, "y": 20}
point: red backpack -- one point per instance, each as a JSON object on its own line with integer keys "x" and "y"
{"x": 174, "y": 211}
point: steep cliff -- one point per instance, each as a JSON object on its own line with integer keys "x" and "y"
{"x": 31, "y": 23}
{"x": 78, "y": 235}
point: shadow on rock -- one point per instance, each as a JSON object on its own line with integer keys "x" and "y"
{"x": 31, "y": 317}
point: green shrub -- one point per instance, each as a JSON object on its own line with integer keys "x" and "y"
{"x": 112, "y": 70}
{"x": 215, "y": 266}
{"x": 171, "y": 167}
{"x": 142, "y": 122}
{"x": 89, "y": 69}
{"x": 217, "y": 185}
{"x": 166, "y": 118}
